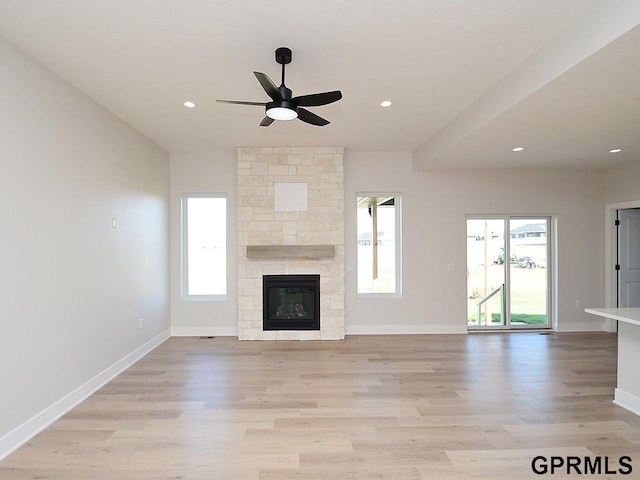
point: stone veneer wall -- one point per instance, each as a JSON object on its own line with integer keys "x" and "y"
{"x": 321, "y": 168}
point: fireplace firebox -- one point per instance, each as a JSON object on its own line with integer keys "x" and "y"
{"x": 291, "y": 302}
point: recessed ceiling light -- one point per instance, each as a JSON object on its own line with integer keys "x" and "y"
{"x": 189, "y": 104}
{"x": 615, "y": 150}
{"x": 385, "y": 103}
{"x": 518, "y": 149}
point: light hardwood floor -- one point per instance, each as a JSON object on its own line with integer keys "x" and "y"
{"x": 477, "y": 406}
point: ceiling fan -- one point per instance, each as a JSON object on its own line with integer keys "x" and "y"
{"x": 285, "y": 107}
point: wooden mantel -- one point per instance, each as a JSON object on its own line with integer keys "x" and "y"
{"x": 291, "y": 251}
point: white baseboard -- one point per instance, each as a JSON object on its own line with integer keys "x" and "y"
{"x": 353, "y": 330}
{"x": 357, "y": 330}
{"x": 627, "y": 400}
{"x": 204, "y": 331}
{"x": 591, "y": 326}
{"x": 407, "y": 329}
{"x": 23, "y": 433}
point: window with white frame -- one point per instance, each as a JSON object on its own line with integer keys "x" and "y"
{"x": 378, "y": 244}
{"x": 204, "y": 246}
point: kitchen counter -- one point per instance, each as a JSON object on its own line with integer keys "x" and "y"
{"x": 627, "y": 392}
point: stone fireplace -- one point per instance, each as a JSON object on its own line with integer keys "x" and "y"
{"x": 290, "y": 222}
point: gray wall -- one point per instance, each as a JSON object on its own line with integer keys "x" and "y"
{"x": 72, "y": 288}
{"x": 434, "y": 235}
{"x": 434, "y": 207}
{"x": 197, "y": 173}
{"x": 622, "y": 183}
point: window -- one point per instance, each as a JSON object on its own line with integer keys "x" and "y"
{"x": 204, "y": 246}
{"x": 378, "y": 244}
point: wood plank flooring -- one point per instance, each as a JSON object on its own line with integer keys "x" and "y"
{"x": 479, "y": 406}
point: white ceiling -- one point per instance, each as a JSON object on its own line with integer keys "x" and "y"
{"x": 469, "y": 79}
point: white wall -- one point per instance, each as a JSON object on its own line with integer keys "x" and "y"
{"x": 199, "y": 173}
{"x": 434, "y": 206}
{"x": 621, "y": 183}
{"x": 72, "y": 288}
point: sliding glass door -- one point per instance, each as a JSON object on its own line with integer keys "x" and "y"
{"x": 508, "y": 281}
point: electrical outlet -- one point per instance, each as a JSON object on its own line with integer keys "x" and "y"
{"x": 140, "y": 321}
{"x": 436, "y": 307}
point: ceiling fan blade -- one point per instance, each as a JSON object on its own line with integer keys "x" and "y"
{"x": 238, "y": 102}
{"x": 268, "y": 86}
{"x": 311, "y": 118}
{"x": 318, "y": 99}
{"x": 266, "y": 121}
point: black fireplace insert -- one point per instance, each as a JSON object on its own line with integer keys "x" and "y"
{"x": 291, "y": 302}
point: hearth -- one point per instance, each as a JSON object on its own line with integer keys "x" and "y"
{"x": 291, "y": 302}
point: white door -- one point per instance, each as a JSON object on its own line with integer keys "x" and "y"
{"x": 628, "y": 263}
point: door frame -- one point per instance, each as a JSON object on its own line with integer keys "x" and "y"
{"x": 610, "y": 247}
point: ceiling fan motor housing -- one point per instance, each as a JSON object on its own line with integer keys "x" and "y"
{"x": 282, "y": 104}
{"x": 286, "y": 102}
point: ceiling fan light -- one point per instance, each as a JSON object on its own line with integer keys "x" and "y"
{"x": 281, "y": 113}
